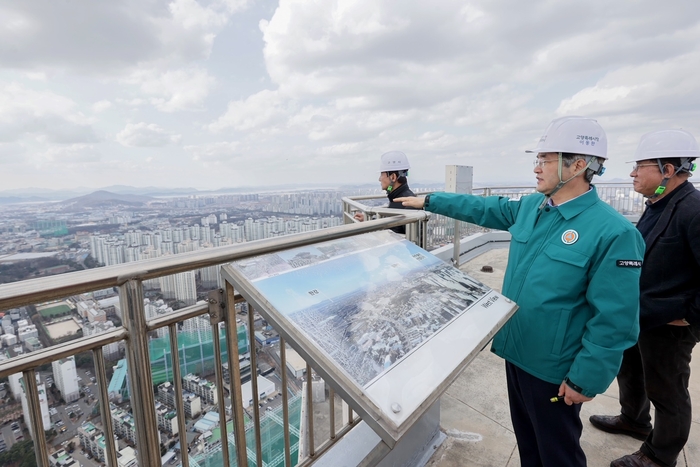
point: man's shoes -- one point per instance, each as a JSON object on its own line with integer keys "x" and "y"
{"x": 615, "y": 424}
{"x": 638, "y": 459}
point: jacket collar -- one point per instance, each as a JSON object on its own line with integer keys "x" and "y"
{"x": 579, "y": 204}
{"x": 676, "y": 197}
{"x": 397, "y": 193}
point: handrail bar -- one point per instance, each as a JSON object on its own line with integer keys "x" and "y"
{"x": 40, "y": 357}
{"x": 47, "y": 288}
{"x": 175, "y": 317}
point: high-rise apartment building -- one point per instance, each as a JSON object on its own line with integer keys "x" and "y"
{"x": 43, "y": 405}
{"x": 66, "y": 378}
{"x": 181, "y": 286}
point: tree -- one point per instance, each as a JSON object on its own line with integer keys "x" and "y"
{"x": 84, "y": 360}
{"x": 20, "y": 455}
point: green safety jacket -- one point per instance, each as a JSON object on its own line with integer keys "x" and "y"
{"x": 574, "y": 272}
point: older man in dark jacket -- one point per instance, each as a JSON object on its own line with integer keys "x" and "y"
{"x": 657, "y": 369}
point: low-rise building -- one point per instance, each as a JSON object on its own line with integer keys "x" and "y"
{"x": 201, "y": 387}
{"x": 167, "y": 418}
{"x": 127, "y": 457}
{"x": 61, "y": 458}
{"x": 123, "y": 424}
{"x": 25, "y": 332}
{"x": 92, "y": 440}
{"x": 192, "y": 402}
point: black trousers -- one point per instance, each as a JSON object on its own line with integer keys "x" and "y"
{"x": 657, "y": 369}
{"x": 548, "y": 433}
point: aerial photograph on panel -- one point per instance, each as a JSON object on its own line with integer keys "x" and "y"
{"x": 366, "y": 301}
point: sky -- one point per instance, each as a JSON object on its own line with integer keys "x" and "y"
{"x": 212, "y": 94}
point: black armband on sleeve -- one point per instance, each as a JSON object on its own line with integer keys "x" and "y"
{"x": 426, "y": 202}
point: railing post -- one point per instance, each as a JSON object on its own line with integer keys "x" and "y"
{"x": 139, "y": 368}
{"x": 32, "y": 392}
{"x": 105, "y": 413}
{"x": 217, "y": 306}
{"x": 235, "y": 378}
{"x": 458, "y": 179}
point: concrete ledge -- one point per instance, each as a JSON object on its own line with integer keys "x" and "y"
{"x": 474, "y": 245}
{"x": 361, "y": 447}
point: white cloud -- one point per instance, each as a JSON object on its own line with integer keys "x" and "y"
{"x": 262, "y": 108}
{"x": 223, "y": 151}
{"x": 135, "y": 102}
{"x": 146, "y": 135}
{"x": 36, "y": 76}
{"x": 103, "y": 37}
{"x": 101, "y": 106}
{"x": 305, "y": 90}
{"x": 66, "y": 156}
{"x": 11, "y": 153}
{"x": 41, "y": 114}
{"x": 174, "y": 90}
{"x": 654, "y": 89}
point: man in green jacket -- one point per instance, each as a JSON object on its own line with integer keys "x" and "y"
{"x": 573, "y": 269}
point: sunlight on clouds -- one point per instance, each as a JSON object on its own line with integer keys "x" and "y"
{"x": 15, "y": 23}
{"x": 471, "y": 13}
{"x": 223, "y": 151}
{"x": 145, "y": 135}
{"x": 36, "y": 76}
{"x": 43, "y": 114}
{"x": 260, "y": 109}
{"x": 303, "y": 89}
{"x": 66, "y": 156}
{"x": 191, "y": 14}
{"x": 183, "y": 89}
{"x": 593, "y": 96}
{"x": 101, "y": 106}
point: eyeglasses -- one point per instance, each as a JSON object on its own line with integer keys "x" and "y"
{"x": 636, "y": 167}
{"x": 541, "y": 162}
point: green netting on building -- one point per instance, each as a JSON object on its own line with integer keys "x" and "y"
{"x": 196, "y": 351}
{"x": 51, "y": 228}
{"x": 272, "y": 440}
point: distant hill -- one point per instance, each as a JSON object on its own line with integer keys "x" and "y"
{"x": 21, "y": 199}
{"x": 104, "y": 198}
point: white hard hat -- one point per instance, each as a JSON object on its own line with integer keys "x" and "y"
{"x": 394, "y": 161}
{"x": 575, "y": 135}
{"x": 666, "y": 144}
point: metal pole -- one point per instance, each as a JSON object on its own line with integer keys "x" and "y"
{"x": 310, "y": 410}
{"x": 254, "y": 384}
{"x": 216, "y": 305}
{"x": 331, "y": 409}
{"x": 179, "y": 402}
{"x": 456, "y": 245}
{"x": 32, "y": 391}
{"x": 285, "y": 404}
{"x": 139, "y": 367}
{"x": 105, "y": 412}
{"x": 235, "y": 378}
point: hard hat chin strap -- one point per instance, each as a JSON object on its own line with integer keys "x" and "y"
{"x": 561, "y": 183}
{"x": 662, "y": 186}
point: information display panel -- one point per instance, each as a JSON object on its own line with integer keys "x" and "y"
{"x": 386, "y": 323}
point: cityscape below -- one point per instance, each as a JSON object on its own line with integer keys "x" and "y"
{"x": 39, "y": 239}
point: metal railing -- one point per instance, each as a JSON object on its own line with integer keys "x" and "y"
{"x": 426, "y": 230}
{"x": 134, "y": 332}
{"x": 440, "y": 230}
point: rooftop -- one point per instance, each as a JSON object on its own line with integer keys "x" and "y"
{"x": 476, "y": 419}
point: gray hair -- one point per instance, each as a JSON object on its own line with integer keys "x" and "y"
{"x": 567, "y": 159}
